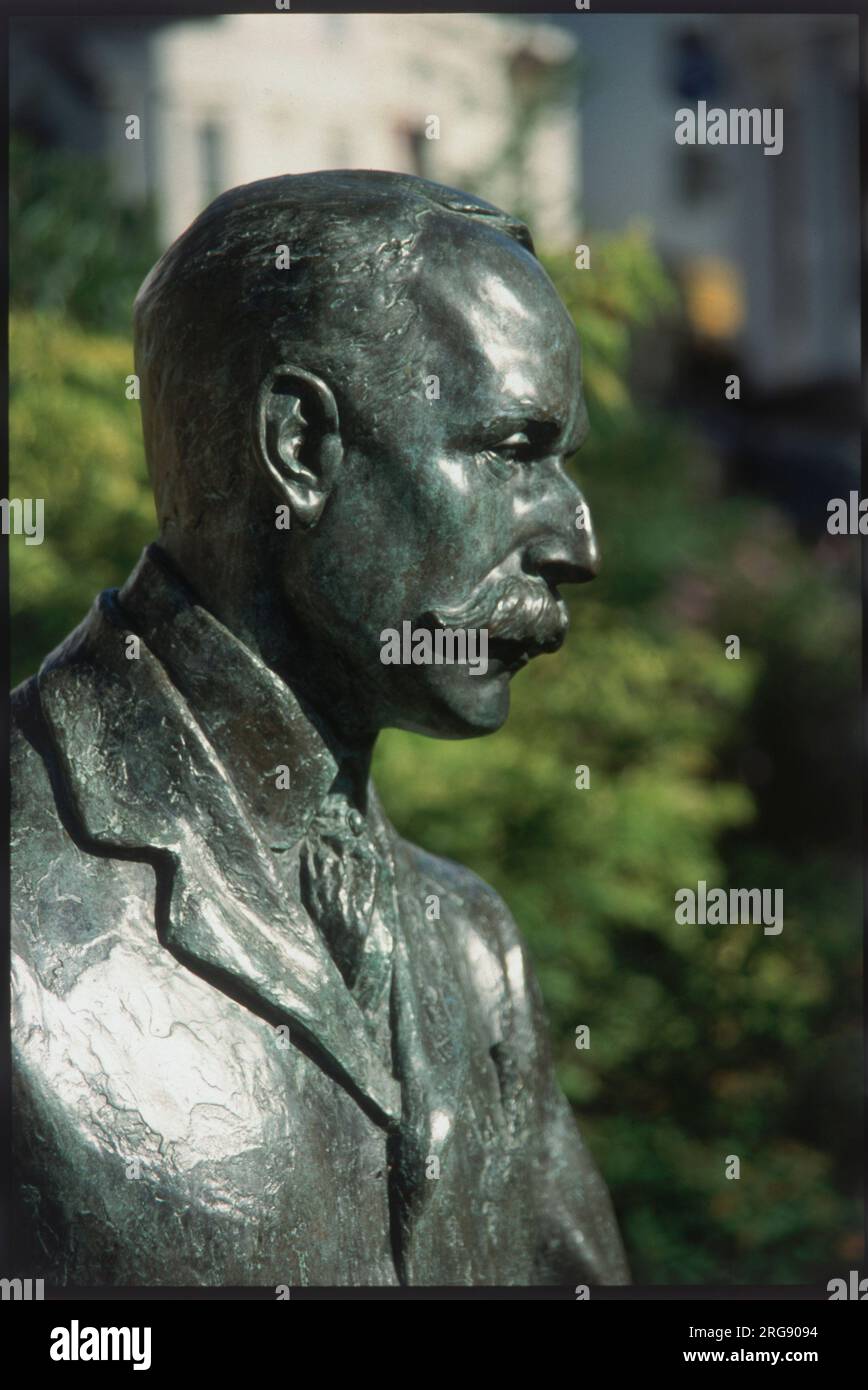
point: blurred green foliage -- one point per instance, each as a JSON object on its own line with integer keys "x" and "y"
{"x": 73, "y": 247}
{"x": 75, "y": 441}
{"x": 705, "y": 1041}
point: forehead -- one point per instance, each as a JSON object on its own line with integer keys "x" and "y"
{"x": 497, "y": 333}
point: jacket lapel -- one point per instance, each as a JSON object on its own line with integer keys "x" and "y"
{"x": 145, "y": 780}
{"x": 432, "y": 1049}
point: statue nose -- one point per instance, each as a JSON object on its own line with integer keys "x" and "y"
{"x": 573, "y": 559}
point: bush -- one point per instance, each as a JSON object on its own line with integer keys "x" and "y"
{"x": 75, "y": 441}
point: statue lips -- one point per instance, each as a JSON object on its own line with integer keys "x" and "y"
{"x": 523, "y": 618}
{"x": 514, "y": 654}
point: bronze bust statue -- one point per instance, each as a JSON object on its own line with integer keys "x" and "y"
{"x": 258, "y": 1038}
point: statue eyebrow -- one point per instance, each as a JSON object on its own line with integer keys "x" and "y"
{"x": 545, "y": 428}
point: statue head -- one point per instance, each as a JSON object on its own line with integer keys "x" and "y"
{"x": 359, "y": 391}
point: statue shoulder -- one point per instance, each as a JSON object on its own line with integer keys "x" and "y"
{"x": 481, "y": 920}
{"x": 464, "y": 890}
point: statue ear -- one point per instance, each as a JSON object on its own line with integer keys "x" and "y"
{"x": 298, "y": 439}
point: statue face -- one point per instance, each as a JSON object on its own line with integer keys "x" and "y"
{"x": 459, "y": 512}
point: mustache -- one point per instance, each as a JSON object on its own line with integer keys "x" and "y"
{"x": 516, "y": 609}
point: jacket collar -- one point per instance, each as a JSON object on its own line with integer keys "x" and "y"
{"x": 246, "y": 712}
{"x": 137, "y": 726}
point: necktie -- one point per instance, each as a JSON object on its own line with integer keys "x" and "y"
{"x": 347, "y": 887}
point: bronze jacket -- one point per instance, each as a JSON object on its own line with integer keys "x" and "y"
{"x": 197, "y": 1098}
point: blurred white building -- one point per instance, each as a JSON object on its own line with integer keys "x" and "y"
{"x": 248, "y": 96}
{"x": 240, "y": 97}
{"x": 768, "y": 245}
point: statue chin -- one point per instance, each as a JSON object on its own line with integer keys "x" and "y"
{"x": 462, "y": 707}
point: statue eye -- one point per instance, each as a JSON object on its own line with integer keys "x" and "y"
{"x": 503, "y": 457}
{"x": 514, "y": 446}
